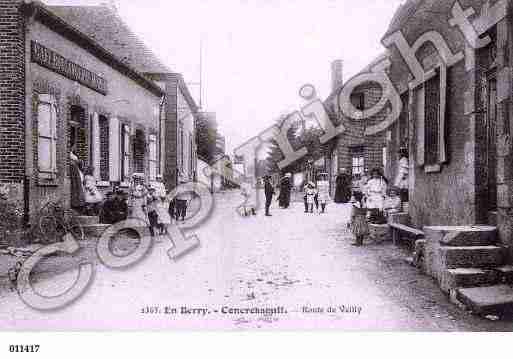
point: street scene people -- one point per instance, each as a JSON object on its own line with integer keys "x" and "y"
{"x": 359, "y": 224}
{"x": 392, "y": 202}
{"x": 182, "y": 201}
{"x": 138, "y": 198}
{"x": 401, "y": 180}
{"x": 248, "y": 207}
{"x": 375, "y": 193}
{"x": 285, "y": 189}
{"x": 323, "y": 188}
{"x": 310, "y": 193}
{"x": 343, "y": 187}
{"x": 77, "y": 182}
{"x": 92, "y": 196}
{"x": 405, "y": 147}
{"x": 269, "y": 193}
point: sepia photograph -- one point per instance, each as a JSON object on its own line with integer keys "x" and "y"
{"x": 255, "y": 166}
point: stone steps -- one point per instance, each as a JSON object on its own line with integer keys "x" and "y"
{"x": 470, "y": 237}
{"x": 472, "y": 257}
{"x": 468, "y": 277}
{"x": 505, "y": 274}
{"x": 497, "y": 299}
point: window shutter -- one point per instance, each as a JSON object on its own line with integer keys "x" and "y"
{"x": 127, "y": 144}
{"x": 442, "y": 151}
{"x": 421, "y": 101}
{"x": 153, "y": 157}
{"x": 47, "y": 136}
{"x": 114, "y": 150}
{"x": 95, "y": 145}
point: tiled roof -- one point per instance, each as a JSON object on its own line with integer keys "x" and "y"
{"x": 107, "y": 28}
{"x": 403, "y": 14}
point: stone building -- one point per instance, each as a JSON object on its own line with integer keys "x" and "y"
{"x": 458, "y": 120}
{"x": 353, "y": 150}
{"x": 62, "y": 89}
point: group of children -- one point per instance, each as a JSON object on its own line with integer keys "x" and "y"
{"x": 374, "y": 204}
{"x": 317, "y": 194}
{"x": 151, "y": 204}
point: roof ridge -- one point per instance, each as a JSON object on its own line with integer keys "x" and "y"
{"x": 108, "y": 28}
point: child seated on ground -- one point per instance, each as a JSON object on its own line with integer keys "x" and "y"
{"x": 359, "y": 225}
{"x": 247, "y": 207}
{"x": 393, "y": 202}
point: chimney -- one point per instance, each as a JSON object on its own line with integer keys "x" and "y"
{"x": 337, "y": 74}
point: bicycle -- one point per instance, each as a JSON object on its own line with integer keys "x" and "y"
{"x": 59, "y": 222}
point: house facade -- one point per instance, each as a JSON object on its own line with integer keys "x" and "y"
{"x": 177, "y": 145}
{"x": 457, "y": 120}
{"x": 65, "y": 91}
{"x": 353, "y": 150}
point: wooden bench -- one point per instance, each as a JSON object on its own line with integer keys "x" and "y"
{"x": 397, "y": 229}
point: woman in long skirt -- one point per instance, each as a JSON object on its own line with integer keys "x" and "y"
{"x": 359, "y": 224}
{"x": 323, "y": 188}
{"x": 164, "y": 219}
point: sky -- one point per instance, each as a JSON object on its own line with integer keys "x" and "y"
{"x": 257, "y": 54}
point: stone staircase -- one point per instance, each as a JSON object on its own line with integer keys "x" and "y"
{"x": 92, "y": 226}
{"x": 470, "y": 265}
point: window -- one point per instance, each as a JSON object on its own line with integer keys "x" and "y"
{"x": 431, "y": 106}
{"x": 358, "y": 157}
{"x": 139, "y": 151}
{"x": 384, "y": 158}
{"x": 181, "y": 149}
{"x": 104, "y": 148}
{"x": 191, "y": 155}
{"x": 47, "y": 136}
{"x": 115, "y": 146}
{"x": 153, "y": 157}
{"x": 94, "y": 141}
{"x": 358, "y": 101}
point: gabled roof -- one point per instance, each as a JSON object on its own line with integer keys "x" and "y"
{"x": 38, "y": 11}
{"x": 106, "y": 27}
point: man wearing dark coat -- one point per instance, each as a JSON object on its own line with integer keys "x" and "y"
{"x": 343, "y": 187}
{"x": 285, "y": 188}
{"x": 269, "y": 192}
{"x": 77, "y": 182}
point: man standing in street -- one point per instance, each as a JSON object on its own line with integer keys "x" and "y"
{"x": 269, "y": 192}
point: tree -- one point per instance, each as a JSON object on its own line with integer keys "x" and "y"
{"x": 299, "y": 137}
{"x": 206, "y": 135}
